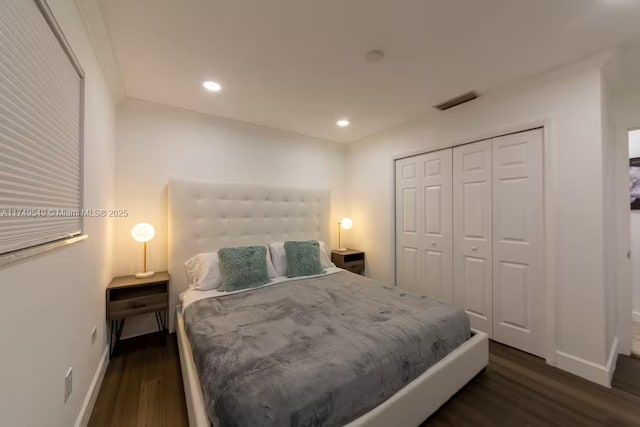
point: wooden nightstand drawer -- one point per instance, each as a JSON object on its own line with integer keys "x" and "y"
{"x": 137, "y": 305}
{"x": 354, "y": 267}
{"x": 350, "y": 259}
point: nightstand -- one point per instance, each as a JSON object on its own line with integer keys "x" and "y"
{"x": 351, "y": 259}
{"x": 128, "y": 296}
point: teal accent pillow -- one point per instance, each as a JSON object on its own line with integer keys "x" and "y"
{"x": 243, "y": 267}
{"x": 303, "y": 258}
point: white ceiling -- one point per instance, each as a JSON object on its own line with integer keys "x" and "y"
{"x": 299, "y": 65}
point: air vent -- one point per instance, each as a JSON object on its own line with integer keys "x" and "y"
{"x": 469, "y": 96}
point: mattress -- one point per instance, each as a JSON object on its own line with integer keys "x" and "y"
{"x": 319, "y": 351}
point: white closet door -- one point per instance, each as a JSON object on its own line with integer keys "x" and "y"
{"x": 437, "y": 237}
{"x": 408, "y": 224}
{"x": 472, "y": 264}
{"x": 517, "y": 236}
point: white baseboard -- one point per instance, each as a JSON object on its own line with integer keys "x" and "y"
{"x": 612, "y": 361}
{"x": 599, "y": 374}
{"x": 92, "y": 393}
{"x": 635, "y": 316}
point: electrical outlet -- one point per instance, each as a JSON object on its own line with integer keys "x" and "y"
{"x": 68, "y": 384}
{"x": 94, "y": 334}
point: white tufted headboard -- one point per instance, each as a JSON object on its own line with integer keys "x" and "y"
{"x": 207, "y": 216}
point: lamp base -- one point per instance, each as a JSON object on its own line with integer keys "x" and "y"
{"x": 341, "y": 249}
{"x": 144, "y": 275}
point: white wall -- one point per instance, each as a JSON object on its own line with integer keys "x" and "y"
{"x": 613, "y": 207}
{"x": 156, "y": 142}
{"x": 634, "y": 151}
{"x": 52, "y": 302}
{"x": 569, "y": 103}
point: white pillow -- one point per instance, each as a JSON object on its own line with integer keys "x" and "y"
{"x": 279, "y": 257}
{"x": 324, "y": 256}
{"x": 203, "y": 271}
{"x": 271, "y": 271}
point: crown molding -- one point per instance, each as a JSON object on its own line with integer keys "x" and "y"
{"x": 98, "y": 33}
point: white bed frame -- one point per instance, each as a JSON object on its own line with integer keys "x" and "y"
{"x": 205, "y": 216}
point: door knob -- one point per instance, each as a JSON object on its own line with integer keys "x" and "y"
{"x": 433, "y": 243}
{"x": 474, "y": 248}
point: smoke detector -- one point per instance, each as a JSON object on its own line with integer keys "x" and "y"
{"x": 374, "y": 55}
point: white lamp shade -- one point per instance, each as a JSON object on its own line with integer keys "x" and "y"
{"x": 346, "y": 223}
{"x": 143, "y": 232}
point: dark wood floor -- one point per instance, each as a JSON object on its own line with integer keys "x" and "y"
{"x": 143, "y": 387}
{"x": 518, "y": 389}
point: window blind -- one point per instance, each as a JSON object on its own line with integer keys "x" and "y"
{"x": 41, "y": 107}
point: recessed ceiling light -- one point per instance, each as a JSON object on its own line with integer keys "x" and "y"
{"x": 212, "y": 86}
{"x": 343, "y": 123}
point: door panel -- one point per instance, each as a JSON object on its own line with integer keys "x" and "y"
{"x": 513, "y": 298}
{"x": 437, "y": 236}
{"x": 408, "y": 225}
{"x": 433, "y": 206}
{"x": 409, "y": 259}
{"x": 472, "y": 260}
{"x": 475, "y": 271}
{"x": 409, "y": 210}
{"x": 474, "y": 195}
{"x": 518, "y": 241}
{"x": 433, "y": 272}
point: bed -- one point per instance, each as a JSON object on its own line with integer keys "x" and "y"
{"x": 205, "y": 217}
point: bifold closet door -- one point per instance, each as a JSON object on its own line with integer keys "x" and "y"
{"x": 472, "y": 246}
{"x": 437, "y": 225}
{"x": 408, "y": 201}
{"x": 517, "y": 241}
{"x": 424, "y": 235}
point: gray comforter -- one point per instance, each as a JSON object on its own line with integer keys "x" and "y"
{"x": 315, "y": 352}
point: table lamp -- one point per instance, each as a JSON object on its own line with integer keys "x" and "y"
{"x": 345, "y": 223}
{"x": 143, "y": 232}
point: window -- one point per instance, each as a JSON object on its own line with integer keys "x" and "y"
{"x": 41, "y": 129}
